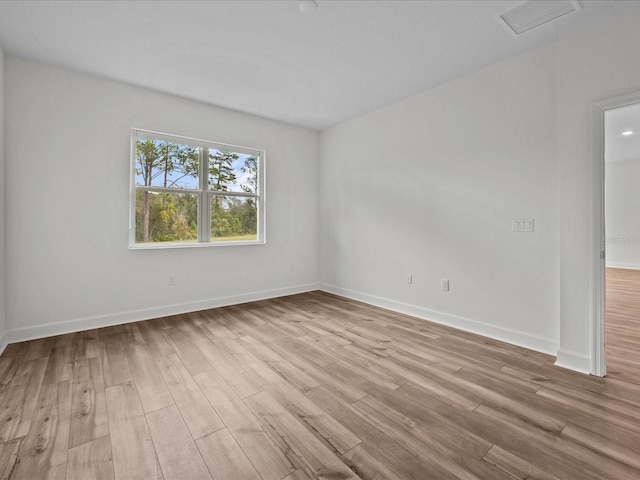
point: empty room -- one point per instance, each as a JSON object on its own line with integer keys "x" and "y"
{"x": 319, "y": 239}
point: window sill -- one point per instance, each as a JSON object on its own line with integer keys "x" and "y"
{"x": 163, "y": 246}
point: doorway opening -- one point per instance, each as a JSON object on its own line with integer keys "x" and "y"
{"x": 616, "y": 233}
{"x": 622, "y": 240}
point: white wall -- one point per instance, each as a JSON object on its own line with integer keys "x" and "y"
{"x": 430, "y": 186}
{"x": 622, "y": 213}
{"x": 67, "y": 176}
{"x": 3, "y": 324}
{"x": 427, "y": 186}
{"x": 593, "y": 65}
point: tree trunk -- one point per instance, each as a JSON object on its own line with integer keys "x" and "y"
{"x": 145, "y": 217}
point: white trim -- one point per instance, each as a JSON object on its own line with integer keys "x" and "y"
{"x": 514, "y": 337}
{"x": 99, "y": 321}
{"x": 625, "y": 266}
{"x": 194, "y": 244}
{"x": 573, "y": 361}
{"x": 3, "y": 342}
{"x": 597, "y": 365}
{"x": 597, "y": 236}
{"x": 198, "y": 142}
{"x": 132, "y": 188}
{"x": 203, "y": 192}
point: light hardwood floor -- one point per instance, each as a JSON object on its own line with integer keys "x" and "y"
{"x": 623, "y": 327}
{"x": 313, "y": 386}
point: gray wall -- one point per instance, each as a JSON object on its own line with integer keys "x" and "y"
{"x": 622, "y": 214}
{"x": 68, "y": 166}
{"x": 430, "y": 186}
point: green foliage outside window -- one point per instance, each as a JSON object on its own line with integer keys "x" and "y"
{"x": 168, "y": 192}
{"x": 233, "y": 218}
{"x": 170, "y": 217}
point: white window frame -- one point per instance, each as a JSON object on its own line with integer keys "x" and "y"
{"x": 203, "y": 192}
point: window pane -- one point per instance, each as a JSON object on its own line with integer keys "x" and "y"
{"x": 232, "y": 172}
{"x": 233, "y": 219}
{"x": 166, "y": 164}
{"x": 166, "y": 217}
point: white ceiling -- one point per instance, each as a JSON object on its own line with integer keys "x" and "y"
{"x": 268, "y": 58}
{"x": 619, "y": 147}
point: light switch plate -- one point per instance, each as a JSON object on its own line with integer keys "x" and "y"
{"x": 523, "y": 224}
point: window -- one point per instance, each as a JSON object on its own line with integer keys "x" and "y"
{"x": 187, "y": 192}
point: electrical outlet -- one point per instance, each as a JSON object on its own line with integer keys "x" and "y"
{"x": 171, "y": 281}
{"x": 409, "y": 279}
{"x": 444, "y": 285}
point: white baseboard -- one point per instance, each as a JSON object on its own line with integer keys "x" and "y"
{"x": 565, "y": 359}
{"x": 498, "y": 333}
{"x": 89, "y": 323}
{"x": 626, "y": 266}
{"x": 573, "y": 361}
{"x": 3, "y": 342}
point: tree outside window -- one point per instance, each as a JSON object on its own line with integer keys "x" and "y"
{"x": 194, "y": 192}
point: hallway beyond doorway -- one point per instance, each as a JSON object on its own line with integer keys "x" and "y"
{"x": 623, "y": 325}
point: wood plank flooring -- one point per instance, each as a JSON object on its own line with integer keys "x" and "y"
{"x": 315, "y": 386}
{"x": 623, "y": 328}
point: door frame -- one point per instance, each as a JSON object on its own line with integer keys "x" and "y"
{"x": 598, "y": 232}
